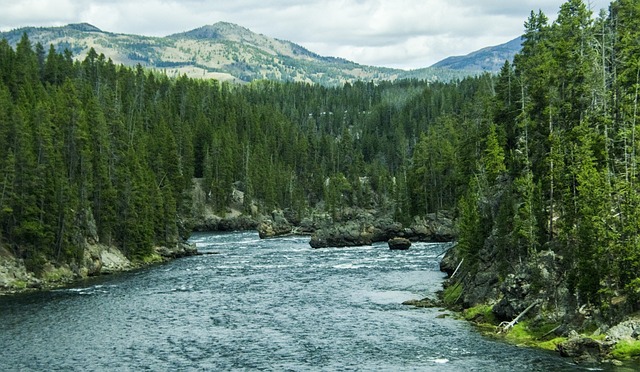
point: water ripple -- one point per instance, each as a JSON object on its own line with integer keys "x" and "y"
{"x": 257, "y": 305}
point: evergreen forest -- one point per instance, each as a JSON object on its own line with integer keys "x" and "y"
{"x": 542, "y": 156}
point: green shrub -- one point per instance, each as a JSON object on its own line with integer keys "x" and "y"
{"x": 626, "y": 349}
{"x": 152, "y": 258}
{"x": 19, "y": 284}
{"x": 451, "y": 294}
{"x": 531, "y": 334}
{"x": 520, "y": 334}
{"x": 480, "y": 314}
{"x": 551, "y": 344}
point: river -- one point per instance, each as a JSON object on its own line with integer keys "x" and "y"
{"x": 256, "y": 305}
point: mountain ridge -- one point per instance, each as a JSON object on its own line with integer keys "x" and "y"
{"x": 225, "y": 51}
{"x": 486, "y": 59}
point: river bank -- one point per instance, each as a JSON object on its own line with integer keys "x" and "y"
{"x": 98, "y": 259}
{"x": 538, "y": 327}
{"x": 349, "y": 227}
{"x": 532, "y": 307}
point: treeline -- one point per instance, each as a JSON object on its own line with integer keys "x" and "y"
{"x": 540, "y": 157}
{"x": 559, "y": 167}
{"x": 105, "y": 153}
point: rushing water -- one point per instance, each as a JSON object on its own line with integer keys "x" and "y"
{"x": 256, "y": 305}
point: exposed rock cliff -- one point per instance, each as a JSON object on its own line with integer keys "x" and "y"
{"x": 535, "y": 294}
{"x": 98, "y": 259}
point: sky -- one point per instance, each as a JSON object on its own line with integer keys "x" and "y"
{"x": 405, "y": 34}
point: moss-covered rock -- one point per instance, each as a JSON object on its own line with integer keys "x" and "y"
{"x": 626, "y": 349}
{"x": 14, "y": 275}
{"x": 480, "y": 314}
{"x": 583, "y": 349}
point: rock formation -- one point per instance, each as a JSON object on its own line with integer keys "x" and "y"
{"x": 399, "y": 243}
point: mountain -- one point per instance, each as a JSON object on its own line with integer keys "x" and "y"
{"x": 223, "y": 51}
{"x": 487, "y": 59}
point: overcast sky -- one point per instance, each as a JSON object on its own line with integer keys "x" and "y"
{"x": 393, "y": 33}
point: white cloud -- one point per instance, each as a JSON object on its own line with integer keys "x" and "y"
{"x": 395, "y": 33}
{"x": 36, "y": 13}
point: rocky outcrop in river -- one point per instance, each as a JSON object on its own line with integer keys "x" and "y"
{"x": 365, "y": 228}
{"x": 277, "y": 225}
{"x": 229, "y": 223}
{"x": 347, "y": 227}
{"x": 401, "y": 244}
{"x": 343, "y": 235}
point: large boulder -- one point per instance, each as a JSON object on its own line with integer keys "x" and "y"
{"x": 398, "y": 243}
{"x": 583, "y": 349}
{"x": 113, "y": 261}
{"x": 434, "y": 228}
{"x": 385, "y": 229}
{"x": 277, "y": 225}
{"x": 103, "y": 259}
{"x": 177, "y": 251}
{"x": 626, "y": 330}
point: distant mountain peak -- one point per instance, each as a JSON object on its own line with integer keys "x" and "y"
{"x": 216, "y": 31}
{"x": 84, "y": 27}
{"x": 486, "y": 59}
{"x": 223, "y": 26}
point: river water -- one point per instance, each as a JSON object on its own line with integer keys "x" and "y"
{"x": 256, "y": 305}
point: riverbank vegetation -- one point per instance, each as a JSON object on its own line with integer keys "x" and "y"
{"x": 554, "y": 196}
{"x": 539, "y": 163}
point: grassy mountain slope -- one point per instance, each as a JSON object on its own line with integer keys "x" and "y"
{"x": 223, "y": 51}
{"x": 486, "y": 59}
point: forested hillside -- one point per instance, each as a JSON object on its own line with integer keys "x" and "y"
{"x": 558, "y": 170}
{"x": 540, "y": 157}
{"x": 90, "y": 150}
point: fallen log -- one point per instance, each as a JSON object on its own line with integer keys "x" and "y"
{"x": 505, "y": 327}
{"x": 456, "y": 270}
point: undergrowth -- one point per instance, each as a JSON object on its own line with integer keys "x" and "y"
{"x": 626, "y": 349}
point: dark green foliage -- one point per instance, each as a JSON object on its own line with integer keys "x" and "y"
{"x": 471, "y": 226}
{"x": 91, "y": 151}
{"x": 565, "y": 120}
{"x": 542, "y": 156}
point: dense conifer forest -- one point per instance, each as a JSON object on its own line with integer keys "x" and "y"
{"x": 541, "y": 156}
